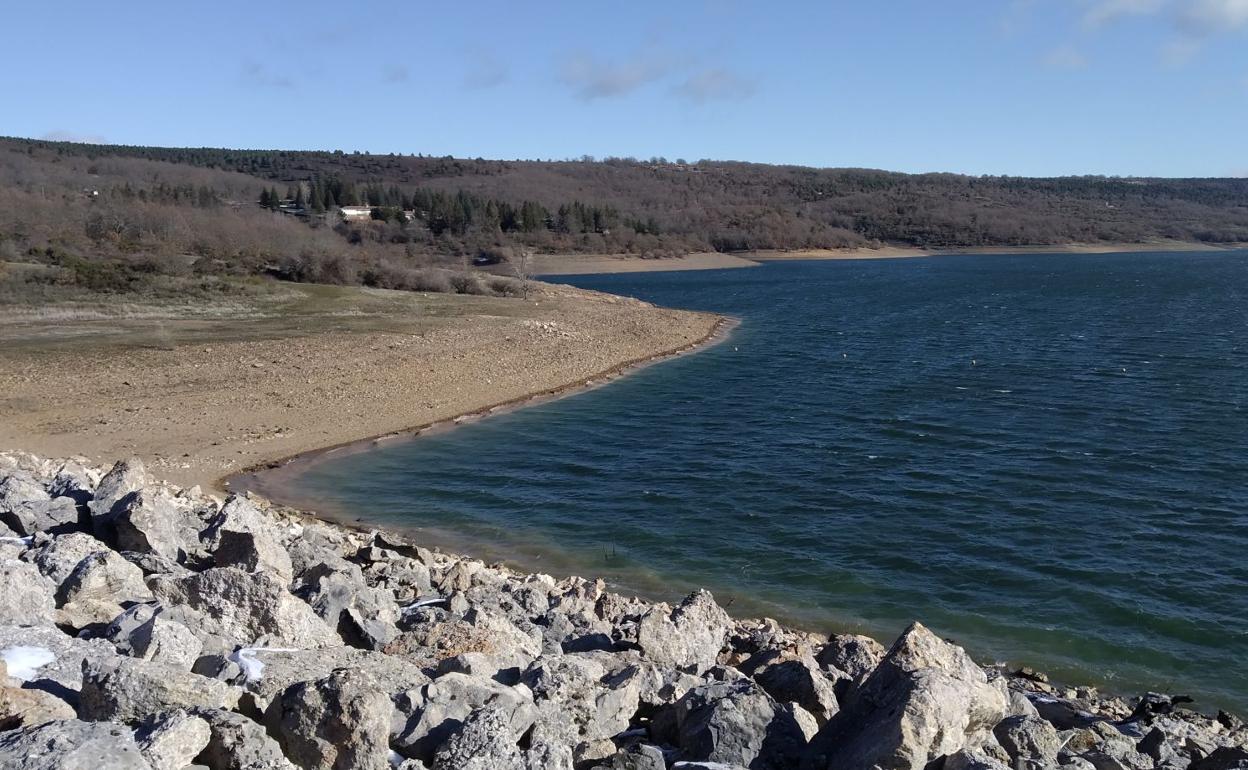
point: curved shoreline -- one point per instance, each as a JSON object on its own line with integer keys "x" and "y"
{"x": 272, "y": 480}
{"x": 254, "y": 478}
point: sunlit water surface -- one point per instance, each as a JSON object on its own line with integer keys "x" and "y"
{"x": 1043, "y": 457}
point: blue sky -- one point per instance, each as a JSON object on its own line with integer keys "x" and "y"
{"x": 1034, "y": 87}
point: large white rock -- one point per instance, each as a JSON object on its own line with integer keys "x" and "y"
{"x": 174, "y": 740}
{"x": 925, "y": 700}
{"x": 128, "y": 689}
{"x": 245, "y": 606}
{"x": 341, "y": 722}
{"x": 690, "y": 637}
{"x": 28, "y": 598}
{"x": 241, "y": 536}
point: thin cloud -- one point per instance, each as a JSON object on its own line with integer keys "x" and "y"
{"x": 592, "y": 78}
{"x": 1065, "y": 58}
{"x": 1210, "y": 16}
{"x": 1103, "y": 12}
{"x": 60, "y": 135}
{"x": 715, "y": 85}
{"x": 256, "y": 74}
{"x": 1195, "y": 22}
{"x": 484, "y": 72}
{"x": 1191, "y": 22}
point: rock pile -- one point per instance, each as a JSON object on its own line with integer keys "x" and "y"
{"x": 148, "y": 627}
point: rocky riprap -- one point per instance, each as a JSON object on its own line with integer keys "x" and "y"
{"x": 145, "y": 626}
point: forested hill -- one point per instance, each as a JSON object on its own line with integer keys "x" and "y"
{"x": 676, "y": 206}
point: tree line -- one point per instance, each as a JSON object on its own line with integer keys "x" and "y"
{"x": 659, "y": 207}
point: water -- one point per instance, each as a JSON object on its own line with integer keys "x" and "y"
{"x": 1044, "y": 458}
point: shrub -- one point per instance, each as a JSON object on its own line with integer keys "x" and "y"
{"x": 467, "y": 283}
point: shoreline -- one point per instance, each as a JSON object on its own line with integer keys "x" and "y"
{"x": 201, "y": 399}
{"x": 409, "y": 649}
{"x": 252, "y": 478}
{"x": 720, "y": 330}
{"x": 596, "y": 264}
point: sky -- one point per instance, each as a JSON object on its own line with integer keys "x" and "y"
{"x": 1022, "y": 87}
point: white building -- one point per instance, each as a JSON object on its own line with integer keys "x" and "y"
{"x": 356, "y": 212}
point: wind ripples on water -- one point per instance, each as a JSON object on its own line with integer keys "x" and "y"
{"x": 1043, "y": 457}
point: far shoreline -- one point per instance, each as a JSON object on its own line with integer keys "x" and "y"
{"x": 599, "y": 264}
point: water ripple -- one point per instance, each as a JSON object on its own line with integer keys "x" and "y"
{"x": 1045, "y": 457}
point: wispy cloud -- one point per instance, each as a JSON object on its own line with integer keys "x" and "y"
{"x": 1190, "y": 22}
{"x": 485, "y": 71}
{"x": 60, "y": 135}
{"x": 1210, "y": 16}
{"x": 1103, "y": 12}
{"x": 592, "y": 78}
{"x": 715, "y": 84}
{"x": 1065, "y": 57}
{"x": 1197, "y": 20}
{"x": 256, "y": 74}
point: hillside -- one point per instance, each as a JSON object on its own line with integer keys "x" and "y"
{"x": 152, "y": 211}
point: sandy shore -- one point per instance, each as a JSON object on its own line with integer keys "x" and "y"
{"x": 200, "y": 398}
{"x": 586, "y": 264}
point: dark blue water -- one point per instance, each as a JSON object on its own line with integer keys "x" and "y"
{"x": 1043, "y": 457}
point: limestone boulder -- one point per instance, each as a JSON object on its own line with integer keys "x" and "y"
{"x": 853, "y": 654}
{"x": 1223, "y": 758}
{"x": 925, "y": 700}
{"x": 29, "y": 707}
{"x": 58, "y": 556}
{"x": 639, "y": 756}
{"x": 47, "y": 658}
{"x": 145, "y": 631}
{"x": 97, "y": 588}
{"x": 363, "y": 616}
{"x": 173, "y": 740}
{"x": 113, "y": 492}
{"x": 737, "y": 723}
{"x": 795, "y": 678}
{"x": 54, "y": 515}
{"x": 340, "y": 722}
{"x": 154, "y": 521}
{"x": 75, "y": 480}
{"x": 243, "y": 607}
{"x": 431, "y": 635}
{"x": 1030, "y": 741}
{"x": 19, "y": 488}
{"x": 242, "y": 536}
{"x": 580, "y": 703}
{"x": 238, "y": 743}
{"x": 127, "y": 690}
{"x": 72, "y": 745}
{"x": 483, "y": 742}
{"x": 266, "y": 672}
{"x": 689, "y": 637}
{"x": 34, "y": 604}
{"x": 433, "y": 712}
